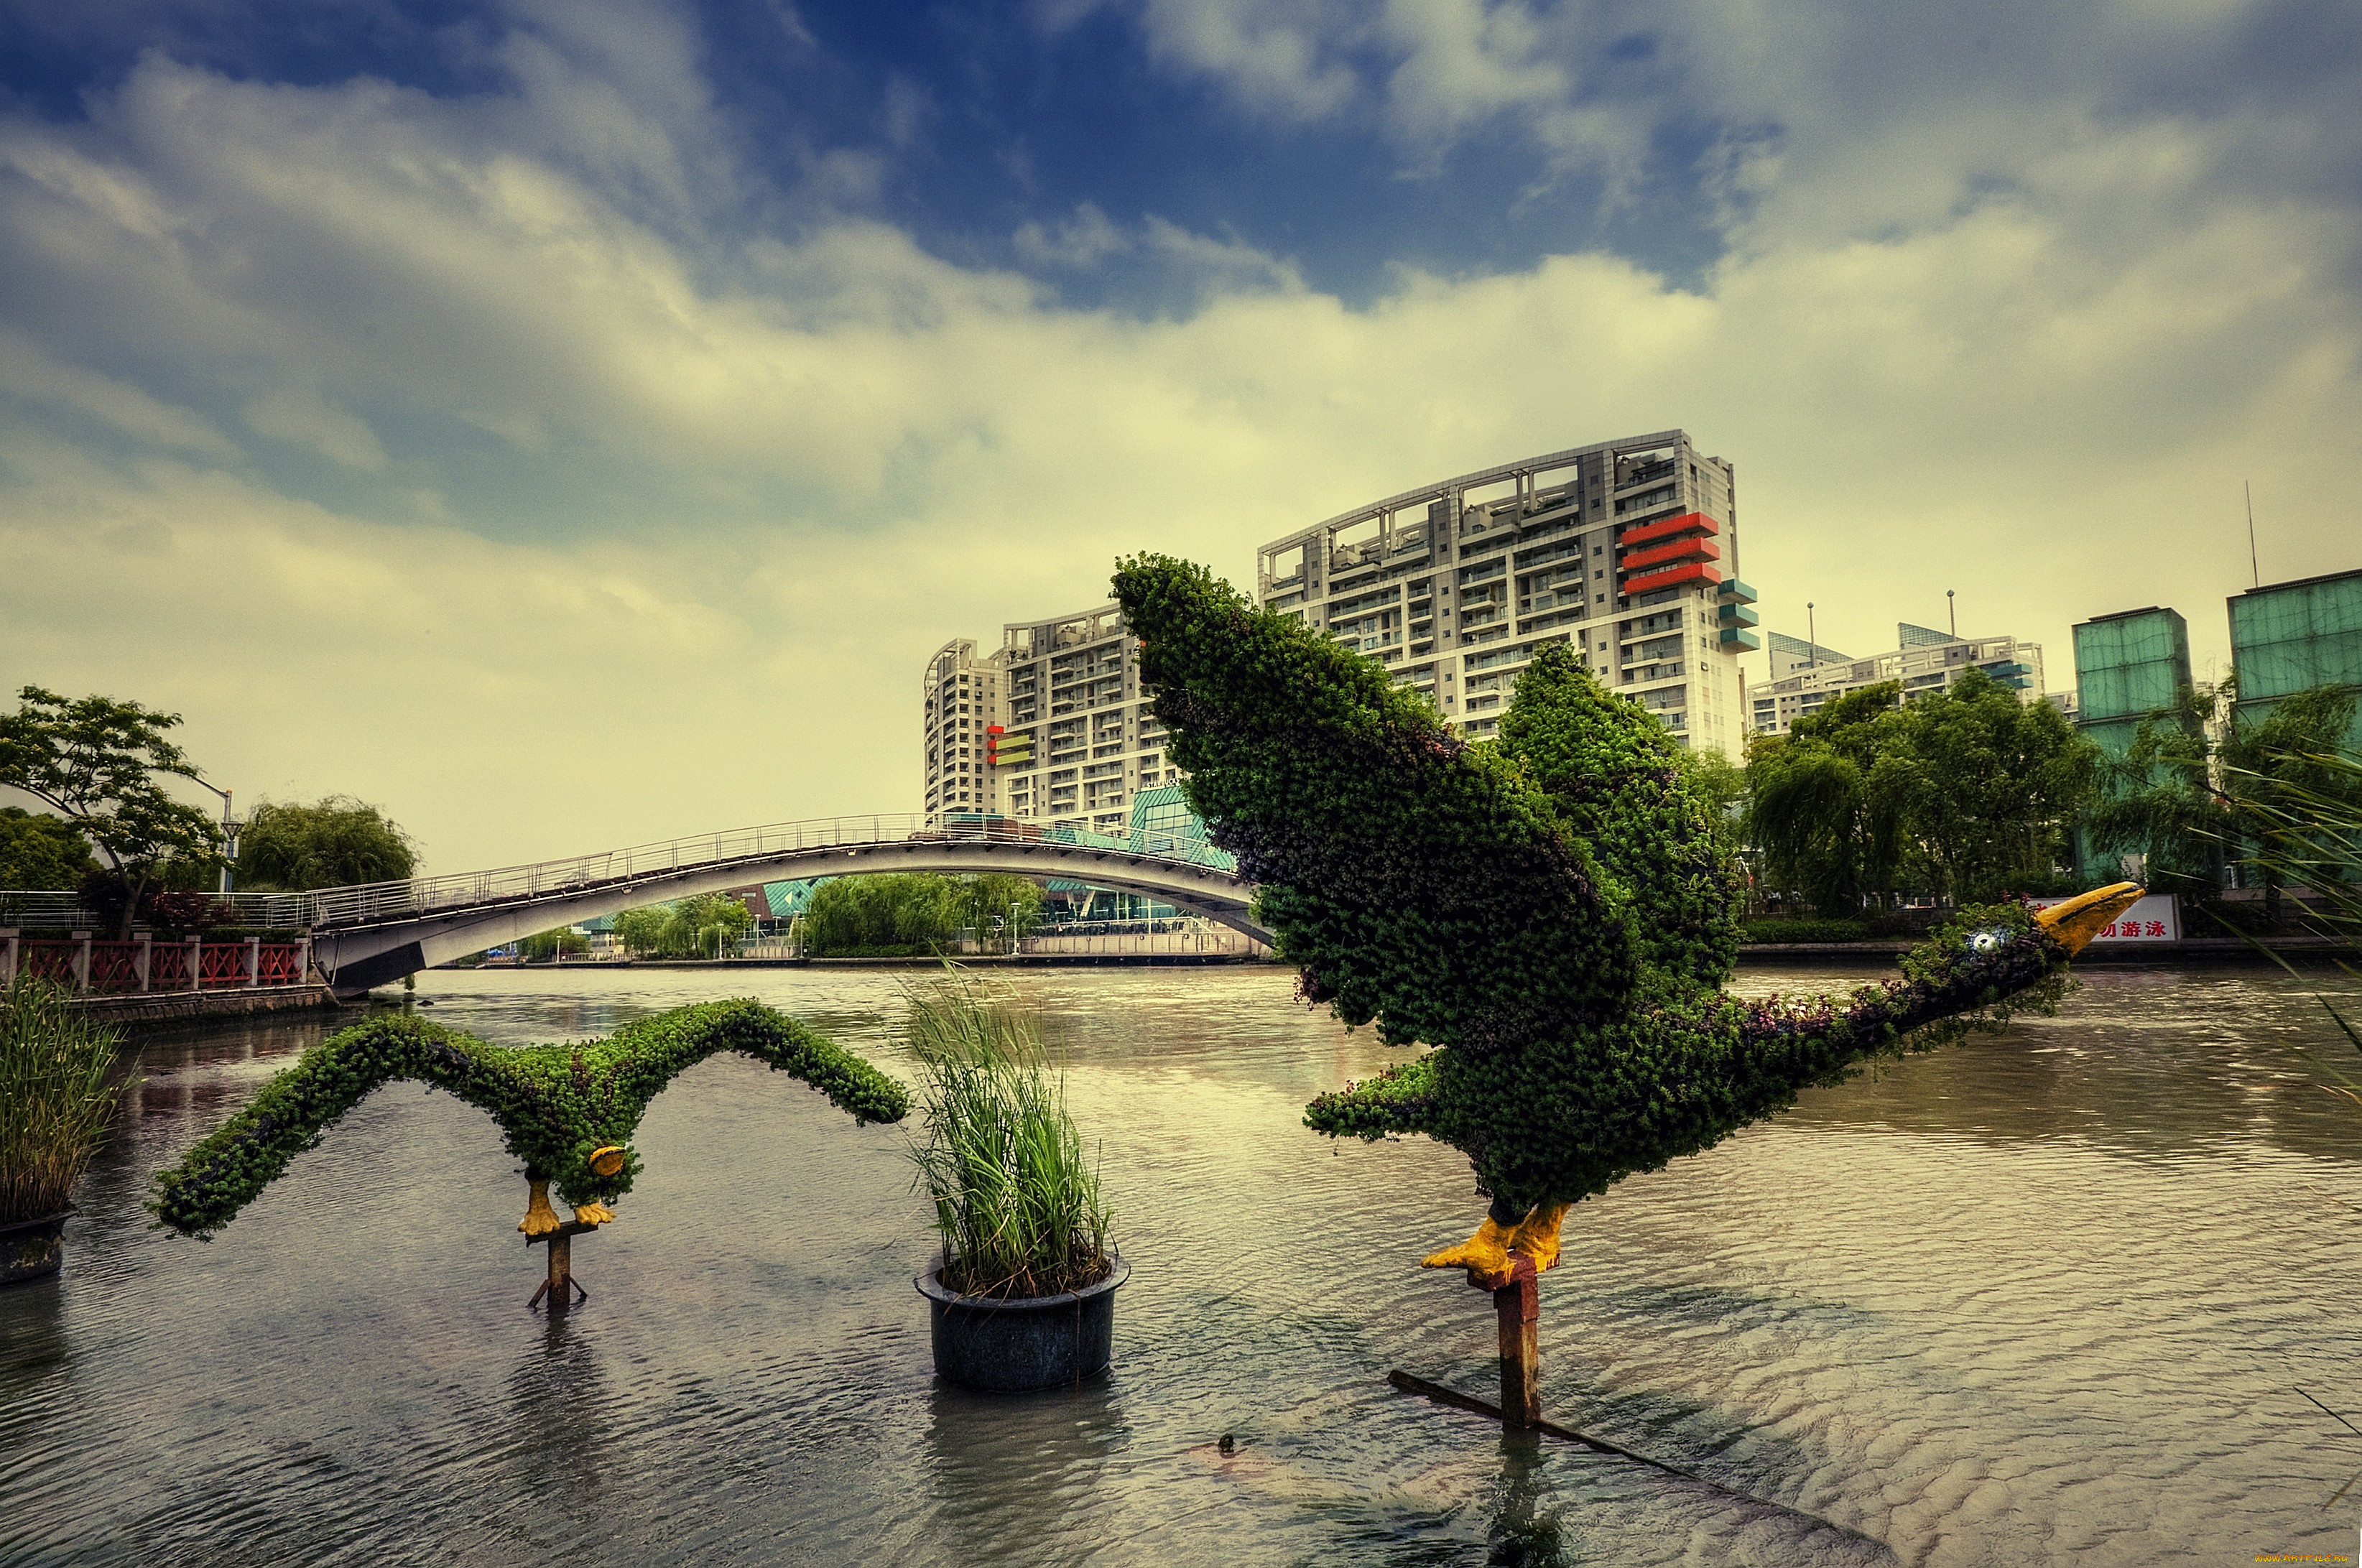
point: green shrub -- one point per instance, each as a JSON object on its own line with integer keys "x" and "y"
{"x": 55, "y": 1096}
{"x": 1017, "y": 1206}
{"x": 555, "y": 1105}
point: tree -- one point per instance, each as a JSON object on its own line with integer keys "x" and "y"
{"x": 1824, "y": 801}
{"x": 2288, "y": 781}
{"x": 685, "y": 928}
{"x": 904, "y": 912}
{"x": 334, "y": 842}
{"x": 2159, "y": 801}
{"x": 98, "y": 762}
{"x": 1990, "y": 787}
{"x": 38, "y": 850}
{"x": 996, "y": 900}
{"x": 563, "y": 943}
{"x": 1968, "y": 791}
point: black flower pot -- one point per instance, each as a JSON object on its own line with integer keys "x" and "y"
{"x": 1041, "y": 1342}
{"x": 32, "y": 1248}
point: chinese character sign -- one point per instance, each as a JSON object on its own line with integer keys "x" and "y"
{"x": 2155, "y": 919}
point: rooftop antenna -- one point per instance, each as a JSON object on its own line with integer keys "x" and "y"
{"x": 1812, "y": 639}
{"x": 2254, "y": 570}
{"x": 1953, "y": 611}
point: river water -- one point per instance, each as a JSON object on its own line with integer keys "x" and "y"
{"x": 2043, "y": 1298}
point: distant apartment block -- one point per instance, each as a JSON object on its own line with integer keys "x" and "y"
{"x": 1629, "y": 550}
{"x": 1924, "y": 660}
{"x": 1051, "y": 726}
{"x": 1789, "y": 655}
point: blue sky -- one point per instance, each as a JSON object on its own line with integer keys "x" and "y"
{"x": 511, "y": 388}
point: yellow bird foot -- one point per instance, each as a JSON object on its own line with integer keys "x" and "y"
{"x": 1537, "y": 1235}
{"x": 1485, "y": 1255}
{"x": 593, "y": 1213}
{"x": 540, "y": 1218}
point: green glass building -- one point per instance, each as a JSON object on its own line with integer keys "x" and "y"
{"x": 2128, "y": 665}
{"x": 2293, "y": 637}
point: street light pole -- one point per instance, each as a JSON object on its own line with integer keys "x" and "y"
{"x": 229, "y": 829}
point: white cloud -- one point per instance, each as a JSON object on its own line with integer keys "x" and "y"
{"x": 309, "y": 421}
{"x": 26, "y": 372}
{"x": 1084, "y": 240}
{"x": 1278, "y": 58}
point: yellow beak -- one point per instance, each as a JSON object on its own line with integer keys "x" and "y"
{"x": 2073, "y": 923}
{"x": 606, "y": 1162}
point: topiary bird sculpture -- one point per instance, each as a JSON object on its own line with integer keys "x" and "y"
{"x": 568, "y": 1111}
{"x": 1550, "y": 912}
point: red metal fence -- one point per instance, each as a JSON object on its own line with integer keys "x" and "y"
{"x": 84, "y": 965}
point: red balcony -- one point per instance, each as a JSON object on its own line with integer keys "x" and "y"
{"x": 1691, "y": 549}
{"x": 1673, "y": 576}
{"x": 1669, "y": 528}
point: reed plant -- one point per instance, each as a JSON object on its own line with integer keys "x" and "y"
{"x": 55, "y": 1096}
{"x": 1017, "y": 1203}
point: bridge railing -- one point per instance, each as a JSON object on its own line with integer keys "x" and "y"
{"x": 375, "y": 901}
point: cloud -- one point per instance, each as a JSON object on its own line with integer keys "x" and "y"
{"x": 1084, "y": 240}
{"x": 324, "y": 428}
{"x": 1277, "y": 58}
{"x": 706, "y": 502}
{"x": 27, "y": 373}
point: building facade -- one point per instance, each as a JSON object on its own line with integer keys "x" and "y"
{"x": 2293, "y": 637}
{"x": 2128, "y": 665}
{"x": 1628, "y": 550}
{"x": 1051, "y": 726}
{"x": 1924, "y": 660}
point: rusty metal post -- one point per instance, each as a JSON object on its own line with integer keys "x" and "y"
{"x": 1518, "y": 1305}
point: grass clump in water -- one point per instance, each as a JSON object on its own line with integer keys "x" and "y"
{"x": 1017, "y": 1205}
{"x": 54, "y": 1096}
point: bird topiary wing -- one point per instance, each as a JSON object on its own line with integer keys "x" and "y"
{"x": 231, "y": 1167}
{"x": 1419, "y": 882}
{"x": 1614, "y": 772}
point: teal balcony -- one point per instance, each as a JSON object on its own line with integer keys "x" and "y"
{"x": 1740, "y": 638}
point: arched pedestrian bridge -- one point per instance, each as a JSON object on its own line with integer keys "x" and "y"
{"x": 368, "y": 935}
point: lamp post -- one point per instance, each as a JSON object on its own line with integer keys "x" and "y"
{"x": 1812, "y": 639}
{"x": 230, "y": 826}
{"x": 1953, "y": 611}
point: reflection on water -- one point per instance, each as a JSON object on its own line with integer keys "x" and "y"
{"x": 2041, "y": 1298}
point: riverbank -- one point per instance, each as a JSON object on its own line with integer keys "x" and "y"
{"x": 199, "y": 1007}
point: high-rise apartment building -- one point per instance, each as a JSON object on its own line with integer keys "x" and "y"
{"x": 1051, "y": 726}
{"x": 1626, "y": 549}
{"x": 1925, "y": 661}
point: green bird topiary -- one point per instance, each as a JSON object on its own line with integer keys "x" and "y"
{"x": 568, "y": 1111}
{"x": 1551, "y": 913}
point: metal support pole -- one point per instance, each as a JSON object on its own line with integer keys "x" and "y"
{"x": 141, "y": 955}
{"x": 80, "y": 962}
{"x": 253, "y": 962}
{"x": 8, "y": 957}
{"x": 196, "y": 963}
{"x": 1518, "y": 1305}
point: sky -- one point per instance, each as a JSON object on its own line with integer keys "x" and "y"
{"x": 571, "y": 424}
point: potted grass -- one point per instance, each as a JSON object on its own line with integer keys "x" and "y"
{"x": 55, "y": 1098}
{"x": 1023, "y": 1294}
